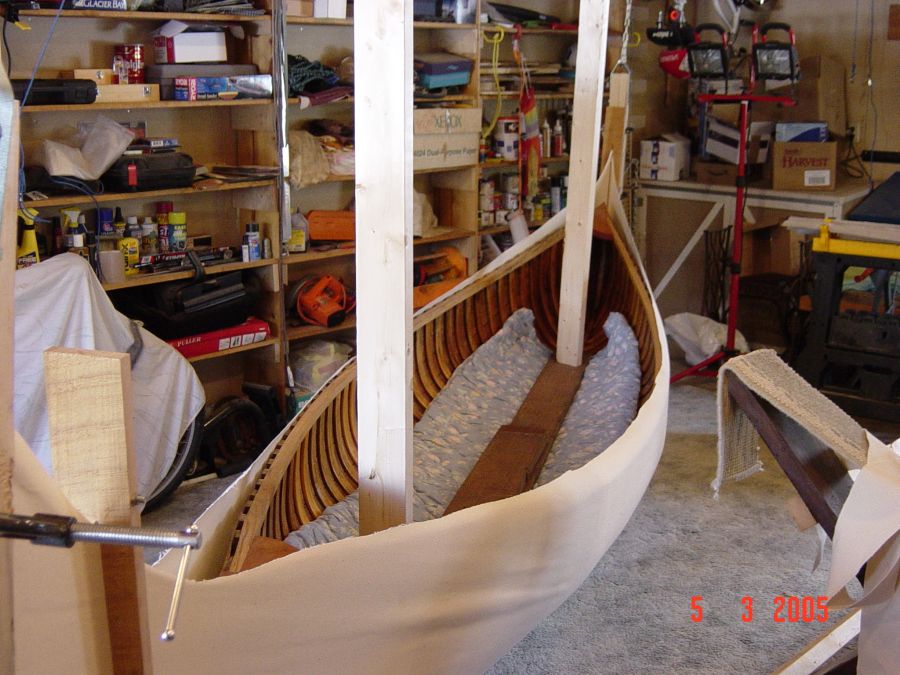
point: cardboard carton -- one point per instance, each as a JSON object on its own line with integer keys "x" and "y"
{"x": 804, "y": 166}
{"x": 174, "y": 42}
{"x": 665, "y": 158}
{"x": 722, "y": 141}
{"x": 446, "y": 137}
{"x": 820, "y": 95}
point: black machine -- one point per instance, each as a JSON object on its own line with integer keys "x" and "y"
{"x": 55, "y": 92}
{"x": 149, "y": 172}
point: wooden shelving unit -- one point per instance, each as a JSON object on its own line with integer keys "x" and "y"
{"x": 270, "y": 342}
{"x": 307, "y": 331}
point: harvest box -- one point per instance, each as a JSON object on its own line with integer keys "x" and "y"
{"x": 804, "y": 166}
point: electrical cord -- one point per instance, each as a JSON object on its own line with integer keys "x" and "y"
{"x": 495, "y": 41}
{"x": 6, "y": 44}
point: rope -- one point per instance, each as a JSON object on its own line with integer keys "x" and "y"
{"x": 626, "y": 36}
{"x": 495, "y": 41}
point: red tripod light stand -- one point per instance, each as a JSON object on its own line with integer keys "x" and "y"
{"x": 707, "y": 367}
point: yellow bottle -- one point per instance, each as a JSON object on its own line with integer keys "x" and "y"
{"x": 131, "y": 249}
{"x": 27, "y": 252}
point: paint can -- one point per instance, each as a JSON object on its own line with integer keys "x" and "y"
{"x": 128, "y": 64}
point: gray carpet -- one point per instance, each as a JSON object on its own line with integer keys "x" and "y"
{"x": 633, "y": 613}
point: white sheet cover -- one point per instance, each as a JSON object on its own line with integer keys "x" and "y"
{"x": 60, "y": 303}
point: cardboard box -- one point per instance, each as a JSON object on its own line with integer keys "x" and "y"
{"x": 174, "y": 42}
{"x": 211, "y": 88}
{"x": 446, "y": 137}
{"x": 164, "y": 75}
{"x": 820, "y": 95}
{"x": 801, "y": 132}
{"x": 723, "y": 173}
{"x": 804, "y": 166}
{"x": 665, "y": 158}
{"x": 330, "y": 9}
{"x": 722, "y": 141}
{"x": 298, "y": 7}
{"x": 250, "y": 332}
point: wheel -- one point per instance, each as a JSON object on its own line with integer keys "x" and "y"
{"x": 185, "y": 457}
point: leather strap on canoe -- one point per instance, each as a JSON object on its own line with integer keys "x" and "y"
{"x": 513, "y": 459}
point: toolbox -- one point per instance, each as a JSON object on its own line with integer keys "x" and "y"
{"x": 137, "y": 173}
{"x": 442, "y": 69}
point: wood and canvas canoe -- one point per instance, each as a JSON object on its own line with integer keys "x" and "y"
{"x": 447, "y": 595}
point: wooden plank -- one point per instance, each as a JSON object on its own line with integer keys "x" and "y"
{"x": 593, "y": 19}
{"x": 818, "y": 652}
{"x": 614, "y": 136}
{"x": 7, "y": 272}
{"x": 93, "y": 459}
{"x": 383, "y": 45}
{"x": 513, "y": 459}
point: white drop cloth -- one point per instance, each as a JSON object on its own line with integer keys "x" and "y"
{"x": 60, "y": 303}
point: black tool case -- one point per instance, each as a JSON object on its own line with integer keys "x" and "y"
{"x": 181, "y": 308}
{"x": 149, "y": 172}
{"x": 56, "y": 92}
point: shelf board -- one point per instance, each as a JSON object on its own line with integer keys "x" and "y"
{"x": 512, "y": 163}
{"x": 541, "y": 97}
{"x": 570, "y": 32}
{"x": 312, "y": 256}
{"x": 162, "y": 277}
{"x": 145, "y": 105}
{"x": 496, "y": 229}
{"x": 425, "y": 25}
{"x": 455, "y": 98}
{"x": 147, "y": 194}
{"x": 234, "y": 350}
{"x": 307, "y": 331}
{"x": 295, "y": 100}
{"x": 145, "y": 16}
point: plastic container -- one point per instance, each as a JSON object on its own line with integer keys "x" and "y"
{"x": 27, "y": 252}
{"x": 105, "y": 223}
{"x": 252, "y": 240}
{"x": 177, "y": 231}
{"x": 149, "y": 237}
{"x": 119, "y": 222}
{"x": 131, "y": 251}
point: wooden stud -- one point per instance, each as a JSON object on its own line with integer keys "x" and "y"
{"x": 7, "y": 272}
{"x": 93, "y": 459}
{"x": 593, "y": 20}
{"x": 383, "y": 48}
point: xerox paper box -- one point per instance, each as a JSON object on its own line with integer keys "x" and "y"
{"x": 446, "y": 137}
{"x": 250, "y": 332}
{"x": 176, "y": 42}
{"x": 804, "y": 166}
{"x": 665, "y": 158}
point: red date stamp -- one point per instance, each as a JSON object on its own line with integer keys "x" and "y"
{"x": 783, "y": 609}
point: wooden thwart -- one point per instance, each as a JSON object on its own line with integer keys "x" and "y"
{"x": 513, "y": 459}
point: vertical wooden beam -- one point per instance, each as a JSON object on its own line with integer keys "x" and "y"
{"x": 383, "y": 51}
{"x": 9, "y": 136}
{"x": 614, "y": 135}
{"x": 593, "y": 19}
{"x": 89, "y": 410}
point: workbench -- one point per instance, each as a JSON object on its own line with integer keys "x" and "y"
{"x": 721, "y": 201}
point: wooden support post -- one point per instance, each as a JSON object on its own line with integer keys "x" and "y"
{"x": 383, "y": 49}
{"x": 89, "y": 410}
{"x": 593, "y": 20}
{"x": 614, "y": 135}
{"x": 9, "y": 133}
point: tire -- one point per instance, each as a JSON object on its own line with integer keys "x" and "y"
{"x": 185, "y": 456}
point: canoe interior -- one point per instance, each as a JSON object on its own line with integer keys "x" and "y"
{"x": 314, "y": 464}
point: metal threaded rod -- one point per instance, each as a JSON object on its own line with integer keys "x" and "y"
{"x": 133, "y": 536}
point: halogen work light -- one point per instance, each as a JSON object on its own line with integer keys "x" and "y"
{"x": 707, "y": 59}
{"x": 774, "y": 60}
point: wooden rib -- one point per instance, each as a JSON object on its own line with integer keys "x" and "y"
{"x": 421, "y": 366}
{"x": 328, "y": 440}
{"x": 495, "y": 320}
{"x": 441, "y": 347}
{"x": 504, "y": 309}
{"x": 434, "y": 366}
{"x": 471, "y": 324}
{"x": 482, "y": 320}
